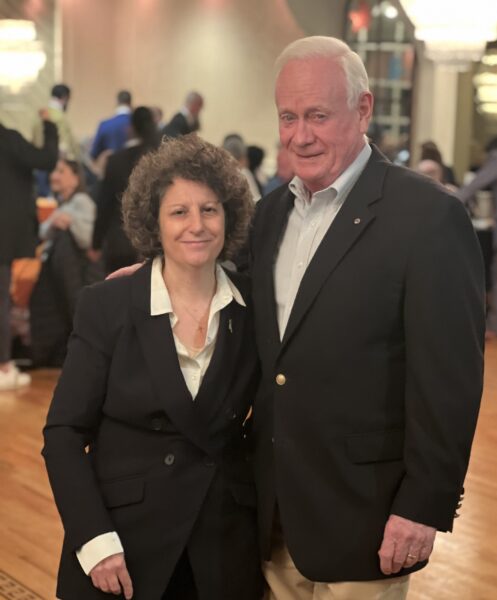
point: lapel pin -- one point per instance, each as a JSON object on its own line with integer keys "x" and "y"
{"x": 230, "y": 326}
{"x": 357, "y": 221}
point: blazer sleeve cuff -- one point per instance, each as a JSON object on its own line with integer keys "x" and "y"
{"x": 100, "y": 547}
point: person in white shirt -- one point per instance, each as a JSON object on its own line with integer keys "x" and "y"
{"x": 368, "y": 298}
{"x": 146, "y": 436}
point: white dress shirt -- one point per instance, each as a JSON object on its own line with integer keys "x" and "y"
{"x": 308, "y": 222}
{"x": 193, "y": 369}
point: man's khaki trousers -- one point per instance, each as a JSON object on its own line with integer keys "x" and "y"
{"x": 284, "y": 581}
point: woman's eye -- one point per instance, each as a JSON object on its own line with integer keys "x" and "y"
{"x": 178, "y": 211}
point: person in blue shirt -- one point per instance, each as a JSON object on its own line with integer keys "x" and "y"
{"x": 112, "y": 133}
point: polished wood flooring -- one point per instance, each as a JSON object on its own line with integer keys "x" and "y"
{"x": 463, "y": 566}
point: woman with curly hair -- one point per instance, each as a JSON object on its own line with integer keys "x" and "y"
{"x": 145, "y": 441}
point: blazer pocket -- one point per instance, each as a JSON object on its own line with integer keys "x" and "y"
{"x": 244, "y": 494}
{"x": 122, "y": 493}
{"x": 376, "y": 447}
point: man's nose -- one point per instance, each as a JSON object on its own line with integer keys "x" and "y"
{"x": 303, "y": 133}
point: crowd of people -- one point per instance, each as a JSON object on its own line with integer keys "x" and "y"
{"x": 298, "y": 431}
{"x": 83, "y": 240}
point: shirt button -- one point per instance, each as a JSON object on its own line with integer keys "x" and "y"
{"x": 280, "y": 379}
{"x": 300, "y": 265}
{"x": 169, "y": 459}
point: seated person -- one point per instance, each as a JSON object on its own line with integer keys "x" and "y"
{"x": 66, "y": 267}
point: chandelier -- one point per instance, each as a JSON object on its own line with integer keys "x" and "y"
{"x": 21, "y": 54}
{"x": 455, "y": 32}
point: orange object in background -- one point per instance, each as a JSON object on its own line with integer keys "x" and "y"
{"x": 25, "y": 271}
{"x": 44, "y": 208}
{"x": 24, "y": 275}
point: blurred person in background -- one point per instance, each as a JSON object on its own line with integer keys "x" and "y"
{"x": 284, "y": 171}
{"x": 109, "y": 239}
{"x": 186, "y": 120}
{"x": 235, "y": 145}
{"x": 18, "y": 222}
{"x": 66, "y": 266}
{"x": 57, "y": 108}
{"x": 113, "y": 133}
{"x": 158, "y": 115}
{"x": 159, "y": 378}
{"x": 434, "y": 170}
{"x": 255, "y": 157}
{"x": 68, "y": 146}
{"x": 430, "y": 151}
{"x": 486, "y": 179}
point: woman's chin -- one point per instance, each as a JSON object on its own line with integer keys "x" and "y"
{"x": 198, "y": 262}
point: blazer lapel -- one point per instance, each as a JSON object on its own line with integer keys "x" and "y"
{"x": 350, "y": 223}
{"x": 217, "y": 379}
{"x": 263, "y": 274}
{"x": 157, "y": 344}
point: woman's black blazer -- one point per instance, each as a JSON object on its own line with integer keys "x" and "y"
{"x": 128, "y": 450}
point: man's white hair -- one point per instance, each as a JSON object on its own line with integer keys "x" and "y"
{"x": 333, "y": 48}
{"x": 193, "y": 97}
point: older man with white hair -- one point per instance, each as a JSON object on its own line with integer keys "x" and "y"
{"x": 186, "y": 120}
{"x": 368, "y": 297}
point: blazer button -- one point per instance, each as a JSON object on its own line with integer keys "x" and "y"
{"x": 231, "y": 414}
{"x": 280, "y": 379}
{"x": 169, "y": 459}
{"x": 156, "y": 424}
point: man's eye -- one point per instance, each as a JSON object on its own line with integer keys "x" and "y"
{"x": 287, "y": 118}
{"x": 318, "y": 116}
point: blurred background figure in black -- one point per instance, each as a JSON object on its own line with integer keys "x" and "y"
{"x": 186, "y": 120}
{"x": 109, "y": 239}
{"x": 18, "y": 223}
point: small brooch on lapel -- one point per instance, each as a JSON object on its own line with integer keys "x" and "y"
{"x": 357, "y": 221}
{"x": 230, "y": 325}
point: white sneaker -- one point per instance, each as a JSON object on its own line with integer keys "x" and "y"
{"x": 13, "y": 379}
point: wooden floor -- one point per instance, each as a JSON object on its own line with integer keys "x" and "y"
{"x": 463, "y": 566}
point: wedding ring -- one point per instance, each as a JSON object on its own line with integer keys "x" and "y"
{"x": 411, "y": 556}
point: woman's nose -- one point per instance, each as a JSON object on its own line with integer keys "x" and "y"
{"x": 196, "y": 221}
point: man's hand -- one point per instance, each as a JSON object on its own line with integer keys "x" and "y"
{"x": 111, "y": 575}
{"x": 404, "y": 544}
{"x": 124, "y": 271}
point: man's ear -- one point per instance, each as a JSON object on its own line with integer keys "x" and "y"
{"x": 365, "y": 110}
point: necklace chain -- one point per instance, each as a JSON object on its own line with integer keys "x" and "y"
{"x": 201, "y": 326}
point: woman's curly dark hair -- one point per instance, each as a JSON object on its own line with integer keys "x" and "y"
{"x": 192, "y": 158}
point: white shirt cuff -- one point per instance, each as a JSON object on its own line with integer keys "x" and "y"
{"x": 100, "y": 547}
